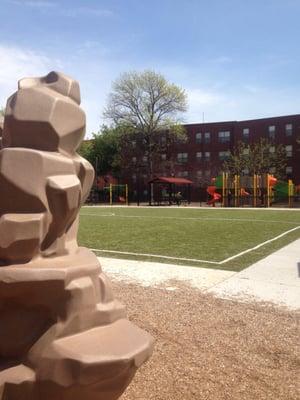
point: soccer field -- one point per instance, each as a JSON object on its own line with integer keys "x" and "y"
{"x": 213, "y": 238}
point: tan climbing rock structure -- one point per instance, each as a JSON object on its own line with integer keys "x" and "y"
{"x": 63, "y": 336}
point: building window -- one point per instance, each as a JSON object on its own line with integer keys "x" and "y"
{"x": 161, "y": 174}
{"x": 272, "y": 149}
{"x": 224, "y": 155}
{"x": 289, "y": 170}
{"x": 163, "y": 157}
{"x": 134, "y": 177}
{"x": 289, "y": 150}
{"x": 199, "y": 138}
{"x": 246, "y": 151}
{"x": 199, "y": 175}
{"x": 207, "y": 156}
{"x": 207, "y": 137}
{"x": 207, "y": 173}
{"x": 183, "y": 174}
{"x": 224, "y": 136}
{"x": 272, "y": 130}
{"x": 289, "y": 129}
{"x": 182, "y": 157}
{"x": 246, "y": 133}
{"x": 199, "y": 156}
{"x": 245, "y": 171}
{"x": 133, "y": 159}
{"x": 133, "y": 143}
{"x": 145, "y": 159}
{"x": 163, "y": 139}
{"x": 145, "y": 192}
{"x": 272, "y": 170}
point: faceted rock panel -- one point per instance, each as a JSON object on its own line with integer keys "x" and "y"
{"x": 63, "y": 335}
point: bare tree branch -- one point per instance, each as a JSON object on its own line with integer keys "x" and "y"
{"x": 147, "y": 104}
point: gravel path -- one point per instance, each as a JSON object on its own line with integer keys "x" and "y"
{"x": 208, "y": 348}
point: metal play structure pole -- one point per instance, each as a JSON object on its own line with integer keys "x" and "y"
{"x": 236, "y": 190}
{"x": 290, "y": 192}
{"x": 223, "y": 189}
{"x": 110, "y": 194}
{"x": 268, "y": 190}
{"x": 254, "y": 190}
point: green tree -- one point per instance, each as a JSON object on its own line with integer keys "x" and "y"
{"x": 238, "y": 160}
{"x": 146, "y": 104}
{"x": 257, "y": 158}
{"x": 102, "y": 151}
{"x": 86, "y": 150}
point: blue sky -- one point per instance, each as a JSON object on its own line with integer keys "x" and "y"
{"x": 237, "y": 59}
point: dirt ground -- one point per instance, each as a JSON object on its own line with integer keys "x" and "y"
{"x": 208, "y": 348}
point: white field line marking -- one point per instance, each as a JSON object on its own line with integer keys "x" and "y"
{"x": 259, "y": 245}
{"x": 156, "y": 256}
{"x": 213, "y": 209}
{"x": 189, "y": 218}
{"x": 102, "y": 215}
{"x": 197, "y": 260}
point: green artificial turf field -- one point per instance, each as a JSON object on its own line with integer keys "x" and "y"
{"x": 213, "y": 238}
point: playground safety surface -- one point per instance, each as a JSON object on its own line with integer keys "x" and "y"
{"x": 213, "y": 348}
{"x": 210, "y": 348}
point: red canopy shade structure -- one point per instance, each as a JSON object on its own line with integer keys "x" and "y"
{"x": 170, "y": 190}
{"x": 171, "y": 179}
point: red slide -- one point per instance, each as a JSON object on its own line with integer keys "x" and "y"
{"x": 244, "y": 193}
{"x": 211, "y": 190}
{"x": 272, "y": 181}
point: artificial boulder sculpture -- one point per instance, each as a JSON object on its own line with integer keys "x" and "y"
{"x": 62, "y": 334}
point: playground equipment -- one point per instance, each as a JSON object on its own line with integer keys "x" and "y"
{"x": 111, "y": 194}
{"x": 211, "y": 190}
{"x": 169, "y": 190}
{"x": 117, "y": 194}
{"x": 259, "y": 190}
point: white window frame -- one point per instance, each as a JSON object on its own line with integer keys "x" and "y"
{"x": 182, "y": 158}
{"x": 224, "y": 136}
{"x": 206, "y": 137}
{"x": 198, "y": 137}
{"x": 199, "y": 155}
{"x": 289, "y": 150}
{"x": 288, "y": 129}
{"x": 207, "y": 156}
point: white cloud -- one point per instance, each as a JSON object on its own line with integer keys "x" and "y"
{"x": 252, "y": 88}
{"x": 241, "y": 103}
{"x": 198, "y": 97}
{"x": 88, "y": 11}
{"x": 222, "y": 60}
{"x": 34, "y": 4}
{"x": 94, "y": 78}
{"x": 89, "y": 47}
{"x": 73, "y": 12}
{"x": 200, "y": 101}
{"x": 17, "y": 63}
{"x": 220, "y": 99}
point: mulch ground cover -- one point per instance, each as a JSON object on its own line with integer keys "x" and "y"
{"x": 209, "y": 348}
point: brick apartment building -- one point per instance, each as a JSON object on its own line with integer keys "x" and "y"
{"x": 202, "y": 155}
